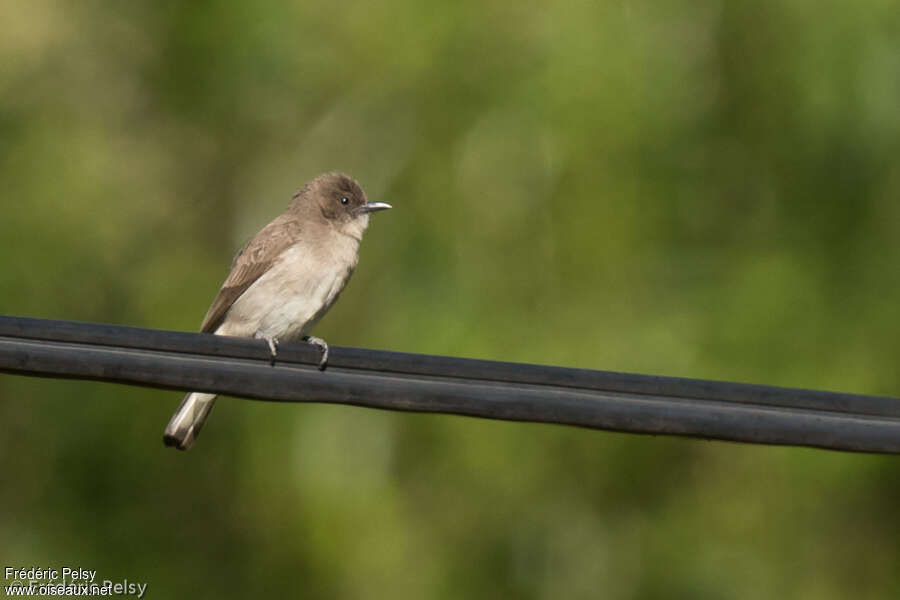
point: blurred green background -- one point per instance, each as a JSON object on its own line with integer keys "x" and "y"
{"x": 693, "y": 188}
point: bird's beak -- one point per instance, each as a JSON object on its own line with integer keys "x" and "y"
{"x": 371, "y": 207}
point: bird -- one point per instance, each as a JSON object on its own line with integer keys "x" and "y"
{"x": 284, "y": 280}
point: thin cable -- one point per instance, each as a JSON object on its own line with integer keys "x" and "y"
{"x": 422, "y": 383}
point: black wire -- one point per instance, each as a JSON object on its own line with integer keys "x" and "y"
{"x": 415, "y": 382}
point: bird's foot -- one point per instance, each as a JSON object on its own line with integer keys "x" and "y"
{"x": 321, "y": 345}
{"x": 273, "y": 346}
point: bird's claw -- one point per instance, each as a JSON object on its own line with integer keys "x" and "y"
{"x": 273, "y": 347}
{"x": 321, "y": 345}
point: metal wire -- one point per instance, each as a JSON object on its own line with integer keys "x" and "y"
{"x": 422, "y": 383}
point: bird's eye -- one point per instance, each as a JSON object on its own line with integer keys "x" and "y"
{"x": 344, "y": 200}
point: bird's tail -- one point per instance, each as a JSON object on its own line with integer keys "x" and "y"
{"x": 185, "y": 424}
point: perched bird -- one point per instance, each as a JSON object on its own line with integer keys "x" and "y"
{"x": 284, "y": 280}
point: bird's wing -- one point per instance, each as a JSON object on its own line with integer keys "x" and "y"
{"x": 255, "y": 258}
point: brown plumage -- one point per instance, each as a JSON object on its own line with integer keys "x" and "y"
{"x": 285, "y": 279}
{"x": 255, "y": 258}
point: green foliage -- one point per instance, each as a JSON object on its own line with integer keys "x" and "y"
{"x": 704, "y": 189}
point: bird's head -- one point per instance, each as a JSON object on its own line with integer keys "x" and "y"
{"x": 341, "y": 201}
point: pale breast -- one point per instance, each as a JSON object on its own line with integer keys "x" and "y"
{"x": 287, "y": 300}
